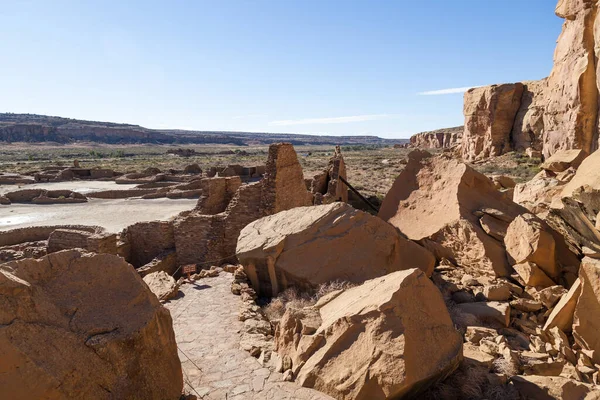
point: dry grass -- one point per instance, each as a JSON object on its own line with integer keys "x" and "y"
{"x": 292, "y": 297}
{"x": 460, "y": 319}
{"x": 514, "y": 165}
{"x": 502, "y": 365}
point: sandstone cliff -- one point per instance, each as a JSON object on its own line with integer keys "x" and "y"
{"x": 440, "y": 138}
{"x": 556, "y": 113}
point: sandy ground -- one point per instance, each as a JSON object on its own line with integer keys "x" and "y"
{"x": 82, "y": 187}
{"x": 114, "y": 215}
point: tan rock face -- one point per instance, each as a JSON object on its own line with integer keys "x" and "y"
{"x": 572, "y": 93}
{"x": 84, "y": 326}
{"x": 537, "y": 194}
{"x": 526, "y": 240}
{"x": 556, "y": 113}
{"x": 564, "y": 159}
{"x": 437, "y": 200}
{"x": 307, "y": 246}
{"x": 162, "y": 285}
{"x": 438, "y": 139}
{"x": 562, "y": 314}
{"x": 528, "y": 128}
{"x": 587, "y": 174}
{"x": 532, "y": 275}
{"x": 586, "y": 322}
{"x": 489, "y": 116}
{"x": 387, "y": 338}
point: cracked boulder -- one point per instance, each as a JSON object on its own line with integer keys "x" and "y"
{"x": 77, "y": 325}
{"x": 308, "y": 246}
{"x": 388, "y": 338}
{"x": 452, "y": 210}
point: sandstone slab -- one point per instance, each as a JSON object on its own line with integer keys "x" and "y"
{"x": 437, "y": 200}
{"x": 307, "y": 246}
{"x": 390, "y": 337}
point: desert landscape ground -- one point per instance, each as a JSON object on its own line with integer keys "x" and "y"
{"x": 463, "y": 263}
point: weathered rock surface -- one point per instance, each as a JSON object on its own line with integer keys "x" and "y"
{"x": 489, "y": 116}
{"x": 532, "y": 275}
{"x": 307, "y": 246}
{"x": 527, "y": 240}
{"x": 554, "y": 114}
{"x": 586, "y": 175}
{"x": 75, "y": 325}
{"x": 438, "y": 139}
{"x": 528, "y": 128}
{"x": 387, "y": 338}
{"x": 564, "y": 159}
{"x": 438, "y": 201}
{"x": 562, "y": 314}
{"x": 162, "y": 285}
{"x": 537, "y": 194}
{"x": 586, "y": 321}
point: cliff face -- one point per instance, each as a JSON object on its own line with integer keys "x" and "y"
{"x": 556, "y": 113}
{"x": 441, "y": 138}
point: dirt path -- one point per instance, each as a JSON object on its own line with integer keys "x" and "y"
{"x": 207, "y": 329}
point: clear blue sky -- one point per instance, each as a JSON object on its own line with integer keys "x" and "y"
{"x": 306, "y": 66}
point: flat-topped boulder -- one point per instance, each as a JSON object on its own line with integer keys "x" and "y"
{"x": 307, "y": 246}
{"x": 81, "y": 325}
{"x": 388, "y": 338}
{"x": 564, "y": 159}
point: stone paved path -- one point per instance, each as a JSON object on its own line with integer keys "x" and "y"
{"x": 207, "y": 330}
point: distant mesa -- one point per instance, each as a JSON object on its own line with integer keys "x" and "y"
{"x": 35, "y": 128}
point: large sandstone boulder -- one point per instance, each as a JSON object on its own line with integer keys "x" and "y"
{"x": 75, "y": 325}
{"x": 387, "y": 338}
{"x": 575, "y": 213}
{"x": 489, "y": 116}
{"x": 438, "y": 201}
{"x": 586, "y": 322}
{"x": 307, "y": 246}
{"x": 564, "y": 159}
{"x": 537, "y": 194}
{"x": 526, "y": 240}
{"x": 562, "y": 314}
{"x": 586, "y": 175}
